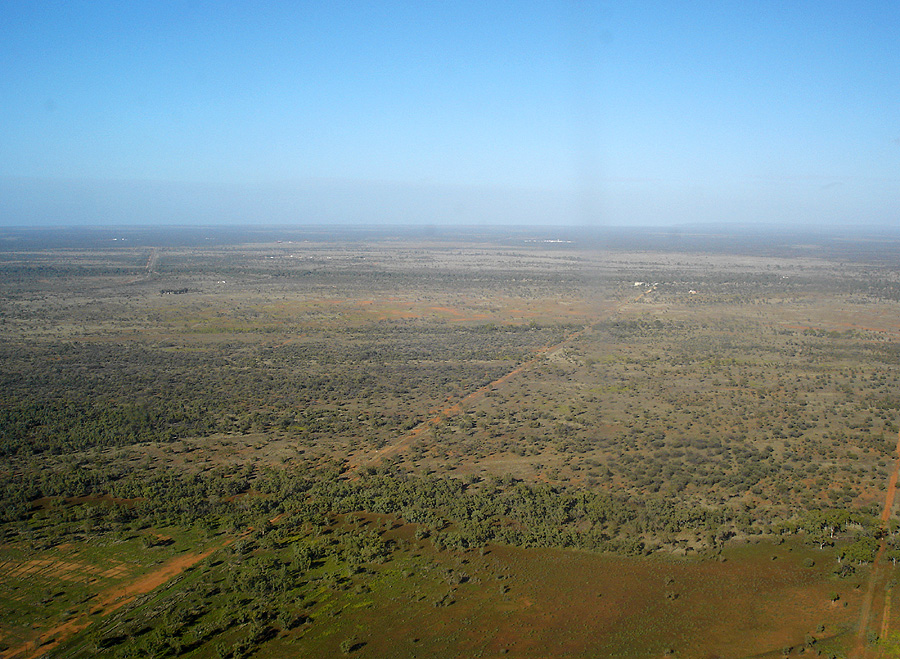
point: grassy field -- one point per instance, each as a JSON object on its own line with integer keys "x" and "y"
{"x": 755, "y": 600}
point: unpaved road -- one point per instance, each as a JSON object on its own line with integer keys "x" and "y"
{"x": 108, "y": 601}
{"x": 877, "y": 576}
{"x": 439, "y": 415}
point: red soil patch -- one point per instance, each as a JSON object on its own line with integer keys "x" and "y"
{"x": 107, "y": 602}
{"x": 65, "y": 570}
{"x": 878, "y": 576}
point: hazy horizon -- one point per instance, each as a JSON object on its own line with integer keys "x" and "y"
{"x": 543, "y": 113}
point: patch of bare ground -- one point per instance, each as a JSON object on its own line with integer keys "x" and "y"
{"x": 878, "y": 577}
{"x": 107, "y": 602}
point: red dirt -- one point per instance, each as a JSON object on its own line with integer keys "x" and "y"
{"x": 107, "y": 602}
{"x": 877, "y": 575}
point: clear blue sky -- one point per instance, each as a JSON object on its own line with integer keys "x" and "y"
{"x": 617, "y": 113}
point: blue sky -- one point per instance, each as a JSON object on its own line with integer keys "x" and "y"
{"x": 649, "y": 113}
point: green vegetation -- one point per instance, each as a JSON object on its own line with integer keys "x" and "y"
{"x": 286, "y": 435}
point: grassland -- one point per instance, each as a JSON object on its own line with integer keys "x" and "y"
{"x": 465, "y": 446}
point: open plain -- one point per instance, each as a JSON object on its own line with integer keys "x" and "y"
{"x": 527, "y": 443}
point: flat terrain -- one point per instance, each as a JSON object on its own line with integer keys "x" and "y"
{"x": 527, "y": 443}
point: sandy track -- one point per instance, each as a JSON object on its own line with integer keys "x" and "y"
{"x": 449, "y": 411}
{"x": 457, "y": 407}
{"x": 877, "y": 576}
{"x": 108, "y": 601}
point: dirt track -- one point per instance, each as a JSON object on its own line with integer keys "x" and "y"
{"x": 107, "y": 602}
{"x": 463, "y": 403}
{"x": 860, "y": 651}
{"x": 456, "y": 408}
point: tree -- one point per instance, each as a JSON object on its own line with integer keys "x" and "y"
{"x": 862, "y": 550}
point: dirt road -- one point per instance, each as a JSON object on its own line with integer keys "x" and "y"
{"x": 877, "y": 577}
{"x": 465, "y": 402}
{"x": 107, "y": 602}
{"x": 436, "y": 417}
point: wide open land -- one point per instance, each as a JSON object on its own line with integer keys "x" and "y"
{"x": 532, "y": 443}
